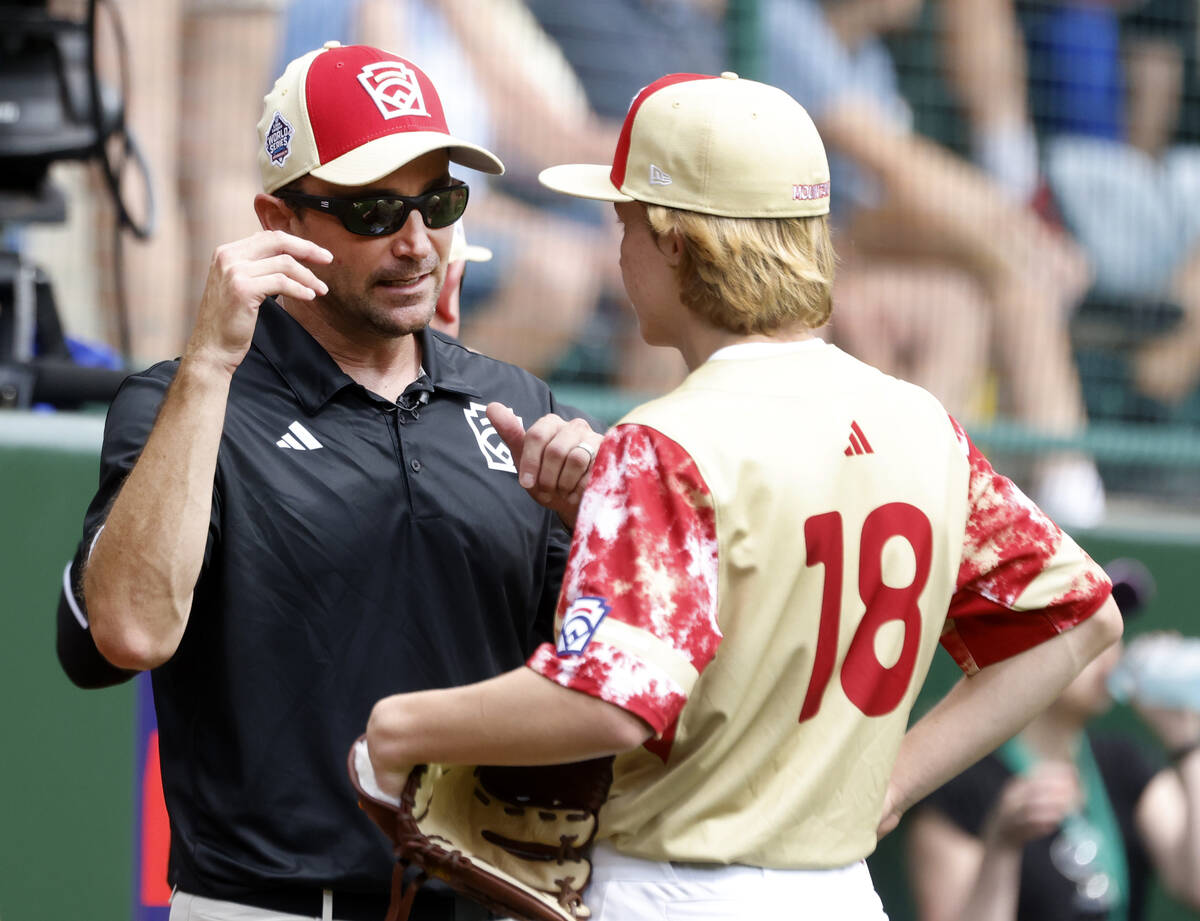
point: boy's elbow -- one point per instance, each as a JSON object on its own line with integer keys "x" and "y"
{"x": 1098, "y": 632}
{"x": 1109, "y": 624}
{"x": 626, "y": 730}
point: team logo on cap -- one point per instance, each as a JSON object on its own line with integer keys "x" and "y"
{"x": 279, "y": 139}
{"x": 394, "y": 89}
{"x": 580, "y": 624}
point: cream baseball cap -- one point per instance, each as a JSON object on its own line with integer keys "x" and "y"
{"x": 352, "y": 114}
{"x": 717, "y": 145}
{"x": 461, "y": 250}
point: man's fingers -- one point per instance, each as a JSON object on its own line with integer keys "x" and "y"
{"x": 576, "y": 463}
{"x": 565, "y": 452}
{"x": 280, "y": 283}
{"x": 269, "y": 263}
{"x": 286, "y": 265}
{"x": 553, "y": 456}
{"x": 509, "y": 427}
{"x": 538, "y": 466}
{"x": 270, "y": 242}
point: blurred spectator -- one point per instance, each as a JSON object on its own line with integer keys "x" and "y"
{"x": 615, "y": 48}
{"x": 189, "y": 62}
{"x": 942, "y": 269}
{"x": 1062, "y": 823}
{"x": 1108, "y": 92}
{"x": 986, "y": 65}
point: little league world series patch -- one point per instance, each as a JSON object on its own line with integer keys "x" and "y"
{"x": 279, "y": 139}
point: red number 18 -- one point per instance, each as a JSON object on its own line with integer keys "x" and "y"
{"x": 869, "y": 685}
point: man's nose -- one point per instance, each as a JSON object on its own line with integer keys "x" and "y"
{"x": 412, "y": 239}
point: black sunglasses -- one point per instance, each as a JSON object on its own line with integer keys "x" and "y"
{"x": 377, "y": 215}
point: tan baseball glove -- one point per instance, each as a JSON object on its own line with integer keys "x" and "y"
{"x": 515, "y": 839}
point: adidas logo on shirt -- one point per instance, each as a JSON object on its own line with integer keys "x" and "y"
{"x": 298, "y": 438}
{"x": 858, "y": 442}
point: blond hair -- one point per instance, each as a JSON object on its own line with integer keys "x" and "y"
{"x": 752, "y": 275}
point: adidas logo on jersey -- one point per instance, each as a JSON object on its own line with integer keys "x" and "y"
{"x": 298, "y": 438}
{"x": 858, "y": 442}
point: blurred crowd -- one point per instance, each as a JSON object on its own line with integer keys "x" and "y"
{"x": 1006, "y": 174}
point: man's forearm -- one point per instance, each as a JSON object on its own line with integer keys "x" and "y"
{"x": 987, "y": 708}
{"x": 139, "y": 579}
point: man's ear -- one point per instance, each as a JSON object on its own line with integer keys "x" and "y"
{"x": 447, "y": 312}
{"x": 273, "y": 213}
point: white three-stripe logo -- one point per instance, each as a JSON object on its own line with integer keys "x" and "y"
{"x": 298, "y": 438}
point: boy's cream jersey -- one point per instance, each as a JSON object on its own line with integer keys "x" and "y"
{"x": 763, "y": 566}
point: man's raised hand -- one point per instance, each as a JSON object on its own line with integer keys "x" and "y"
{"x": 241, "y": 275}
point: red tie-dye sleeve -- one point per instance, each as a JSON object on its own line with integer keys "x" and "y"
{"x": 1021, "y": 579}
{"x": 637, "y": 617}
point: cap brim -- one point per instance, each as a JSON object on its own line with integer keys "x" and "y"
{"x": 583, "y": 180}
{"x": 376, "y": 159}
{"x": 475, "y": 253}
{"x": 468, "y": 252}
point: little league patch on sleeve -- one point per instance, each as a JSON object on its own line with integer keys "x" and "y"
{"x": 279, "y": 139}
{"x": 580, "y": 623}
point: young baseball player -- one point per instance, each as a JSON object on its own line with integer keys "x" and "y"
{"x": 766, "y": 558}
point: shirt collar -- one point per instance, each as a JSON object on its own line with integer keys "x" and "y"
{"x": 765, "y": 349}
{"x": 314, "y": 377}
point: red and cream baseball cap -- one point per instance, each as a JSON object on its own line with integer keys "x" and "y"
{"x": 717, "y": 145}
{"x": 350, "y": 115}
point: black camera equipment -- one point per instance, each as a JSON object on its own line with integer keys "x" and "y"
{"x": 53, "y": 106}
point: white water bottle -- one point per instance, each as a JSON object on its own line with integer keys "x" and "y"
{"x": 1159, "y": 670}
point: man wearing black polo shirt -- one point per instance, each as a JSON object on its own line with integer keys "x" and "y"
{"x": 315, "y": 507}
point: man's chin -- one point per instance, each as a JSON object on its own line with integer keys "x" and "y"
{"x": 401, "y": 321}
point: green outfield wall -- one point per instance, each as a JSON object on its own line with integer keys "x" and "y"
{"x": 67, "y": 766}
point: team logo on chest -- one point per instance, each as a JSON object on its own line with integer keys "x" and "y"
{"x": 394, "y": 89}
{"x": 579, "y": 625}
{"x": 491, "y": 445}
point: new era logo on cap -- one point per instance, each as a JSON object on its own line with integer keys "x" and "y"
{"x": 351, "y": 115}
{"x": 658, "y": 176}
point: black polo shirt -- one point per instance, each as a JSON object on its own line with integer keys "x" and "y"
{"x": 357, "y": 549}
